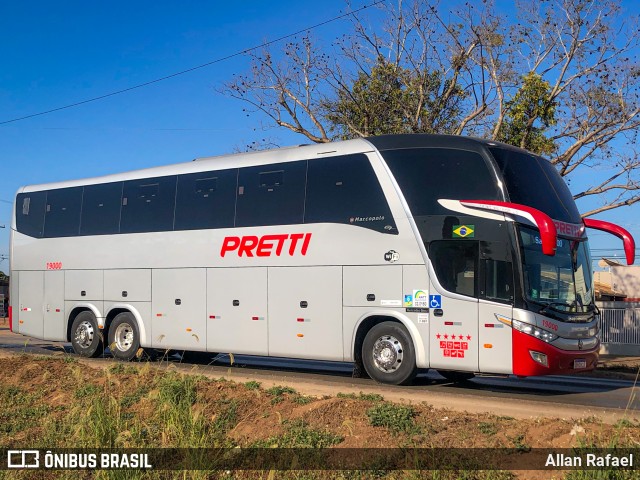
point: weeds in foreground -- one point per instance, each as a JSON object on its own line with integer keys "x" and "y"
{"x": 397, "y": 418}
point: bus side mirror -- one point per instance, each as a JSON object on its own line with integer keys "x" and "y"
{"x": 618, "y": 231}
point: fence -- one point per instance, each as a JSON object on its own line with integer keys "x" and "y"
{"x": 620, "y": 326}
{"x": 2, "y": 312}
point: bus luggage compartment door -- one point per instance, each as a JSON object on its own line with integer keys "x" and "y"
{"x": 54, "y": 312}
{"x": 179, "y": 309}
{"x": 29, "y": 316}
{"x": 237, "y": 310}
{"x": 305, "y": 312}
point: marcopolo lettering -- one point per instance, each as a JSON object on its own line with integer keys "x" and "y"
{"x": 267, "y": 245}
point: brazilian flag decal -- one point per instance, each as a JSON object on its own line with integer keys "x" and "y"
{"x": 463, "y": 231}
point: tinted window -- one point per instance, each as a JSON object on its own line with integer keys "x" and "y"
{"x": 533, "y": 181}
{"x": 30, "y": 213}
{"x": 346, "y": 190}
{"x": 428, "y": 174}
{"x": 456, "y": 265}
{"x": 498, "y": 280}
{"x": 101, "y": 209}
{"x": 62, "y": 218}
{"x": 206, "y": 200}
{"x": 148, "y": 205}
{"x": 271, "y": 194}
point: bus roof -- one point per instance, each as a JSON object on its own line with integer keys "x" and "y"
{"x": 286, "y": 154}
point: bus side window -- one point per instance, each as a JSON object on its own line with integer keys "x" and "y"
{"x": 101, "y": 209}
{"x": 456, "y": 265}
{"x": 62, "y": 217}
{"x": 498, "y": 276}
{"x": 30, "y": 213}
{"x": 148, "y": 205}
{"x": 346, "y": 190}
{"x": 206, "y": 200}
{"x": 271, "y": 194}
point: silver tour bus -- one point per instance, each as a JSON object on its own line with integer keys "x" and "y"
{"x": 397, "y": 253}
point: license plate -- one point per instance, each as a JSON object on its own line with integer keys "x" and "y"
{"x": 579, "y": 364}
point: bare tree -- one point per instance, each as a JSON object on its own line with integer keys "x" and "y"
{"x": 561, "y": 79}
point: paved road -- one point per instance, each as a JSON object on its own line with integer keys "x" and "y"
{"x": 563, "y": 396}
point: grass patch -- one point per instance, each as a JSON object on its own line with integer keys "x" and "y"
{"x": 488, "y": 428}
{"x": 252, "y": 385}
{"x": 520, "y": 445}
{"x": 278, "y": 393}
{"x": 298, "y": 434}
{"x": 129, "y": 399}
{"x": 302, "y": 399}
{"x": 397, "y": 418}
{"x": 123, "y": 369}
{"x": 371, "y": 397}
{"x": 86, "y": 390}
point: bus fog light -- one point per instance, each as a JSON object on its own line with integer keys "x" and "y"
{"x": 541, "y": 358}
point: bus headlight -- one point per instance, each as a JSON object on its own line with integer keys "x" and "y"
{"x": 529, "y": 329}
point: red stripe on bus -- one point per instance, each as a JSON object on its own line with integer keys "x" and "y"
{"x": 10, "y": 318}
{"x": 489, "y": 325}
{"x": 448, "y": 323}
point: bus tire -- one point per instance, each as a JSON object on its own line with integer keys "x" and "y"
{"x": 124, "y": 338}
{"x": 388, "y": 354}
{"x": 456, "y": 377}
{"x": 86, "y": 337}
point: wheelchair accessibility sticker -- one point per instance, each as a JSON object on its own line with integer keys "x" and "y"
{"x": 435, "y": 301}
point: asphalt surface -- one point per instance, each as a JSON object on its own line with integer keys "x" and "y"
{"x": 557, "y": 396}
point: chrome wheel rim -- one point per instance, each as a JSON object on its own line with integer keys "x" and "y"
{"x": 123, "y": 337}
{"x": 84, "y": 334}
{"x": 387, "y": 353}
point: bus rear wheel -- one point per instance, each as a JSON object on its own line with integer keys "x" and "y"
{"x": 124, "y": 339}
{"x": 388, "y": 355}
{"x": 86, "y": 338}
{"x": 456, "y": 377}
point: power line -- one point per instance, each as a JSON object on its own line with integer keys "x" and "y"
{"x": 222, "y": 59}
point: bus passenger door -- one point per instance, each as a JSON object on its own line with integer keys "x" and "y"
{"x": 30, "y": 315}
{"x": 496, "y": 310}
{"x": 237, "y": 310}
{"x": 453, "y": 338}
{"x": 54, "y": 314}
{"x": 178, "y": 299}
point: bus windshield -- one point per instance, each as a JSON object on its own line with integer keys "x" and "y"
{"x": 562, "y": 282}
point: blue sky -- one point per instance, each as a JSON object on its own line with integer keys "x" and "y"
{"x": 58, "y": 53}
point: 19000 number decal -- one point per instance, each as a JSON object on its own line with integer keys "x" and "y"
{"x": 54, "y": 265}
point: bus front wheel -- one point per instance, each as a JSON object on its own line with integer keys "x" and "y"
{"x": 388, "y": 354}
{"x": 86, "y": 338}
{"x": 124, "y": 339}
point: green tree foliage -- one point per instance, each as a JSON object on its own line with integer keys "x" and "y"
{"x": 392, "y": 99}
{"x": 528, "y": 116}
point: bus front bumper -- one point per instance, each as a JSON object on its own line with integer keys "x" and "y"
{"x": 532, "y": 356}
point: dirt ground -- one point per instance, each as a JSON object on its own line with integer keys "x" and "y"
{"x": 63, "y": 391}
